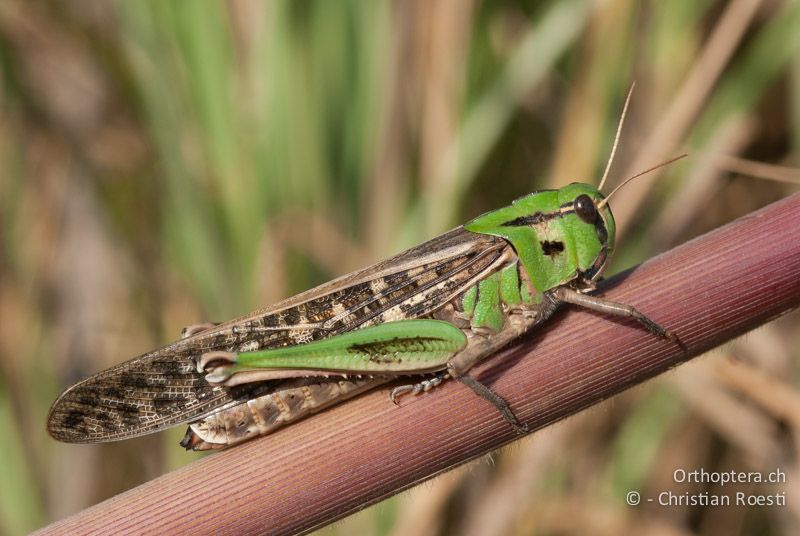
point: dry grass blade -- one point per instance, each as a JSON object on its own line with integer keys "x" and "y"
{"x": 760, "y": 170}
{"x": 675, "y": 122}
{"x": 708, "y": 291}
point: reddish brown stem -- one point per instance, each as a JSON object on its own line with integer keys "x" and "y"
{"x": 708, "y": 291}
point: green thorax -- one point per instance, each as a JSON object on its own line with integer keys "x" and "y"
{"x": 554, "y": 244}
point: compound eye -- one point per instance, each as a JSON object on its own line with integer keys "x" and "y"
{"x": 585, "y": 208}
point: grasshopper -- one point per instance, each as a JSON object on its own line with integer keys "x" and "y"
{"x": 430, "y": 313}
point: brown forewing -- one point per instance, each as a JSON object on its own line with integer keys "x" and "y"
{"x": 162, "y": 388}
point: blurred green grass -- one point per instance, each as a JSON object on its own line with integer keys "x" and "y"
{"x": 168, "y": 162}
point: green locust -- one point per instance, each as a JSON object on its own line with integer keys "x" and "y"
{"x": 426, "y": 315}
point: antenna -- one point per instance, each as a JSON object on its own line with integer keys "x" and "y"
{"x": 616, "y": 137}
{"x": 604, "y": 202}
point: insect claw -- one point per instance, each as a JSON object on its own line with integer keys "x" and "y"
{"x": 521, "y": 429}
{"x": 674, "y": 338}
{"x": 398, "y": 391}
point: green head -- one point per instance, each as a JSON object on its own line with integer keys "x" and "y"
{"x": 560, "y": 236}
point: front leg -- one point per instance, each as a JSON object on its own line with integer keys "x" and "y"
{"x": 602, "y": 305}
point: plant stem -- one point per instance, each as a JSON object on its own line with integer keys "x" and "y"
{"x": 707, "y": 291}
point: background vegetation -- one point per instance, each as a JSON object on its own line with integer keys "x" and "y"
{"x": 164, "y": 163}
